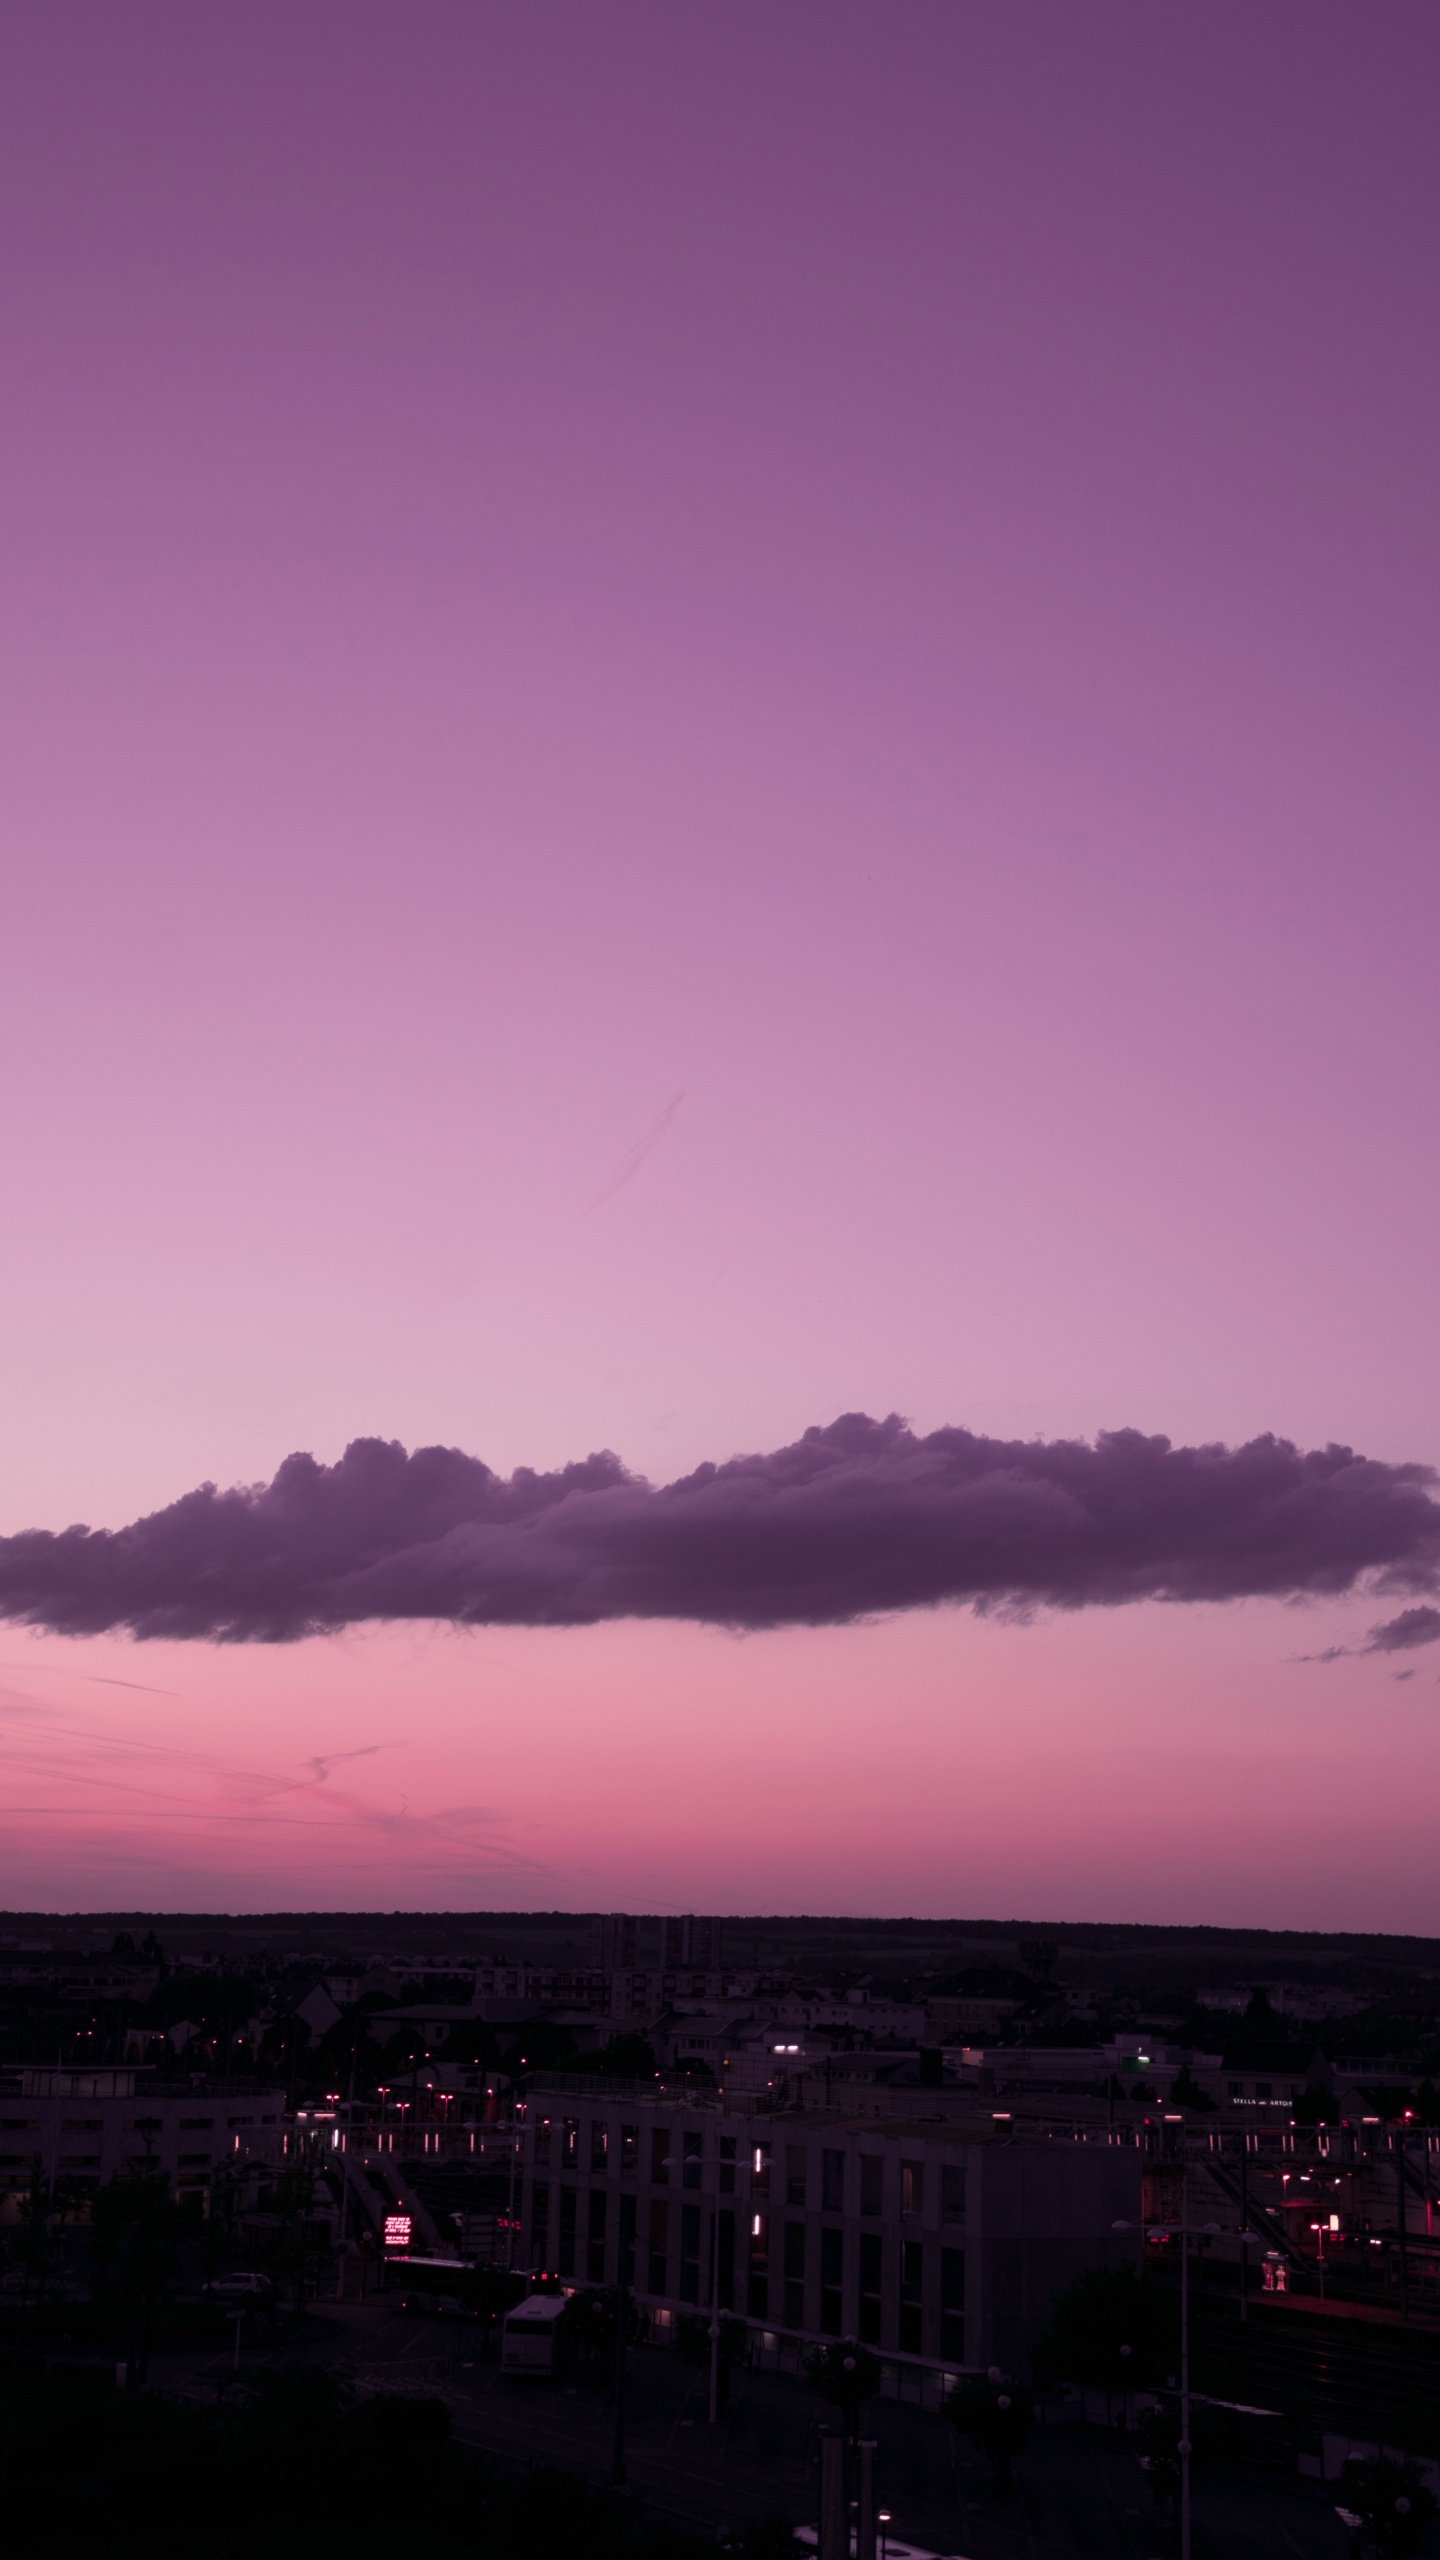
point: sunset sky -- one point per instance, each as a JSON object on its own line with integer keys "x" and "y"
{"x": 714, "y": 716}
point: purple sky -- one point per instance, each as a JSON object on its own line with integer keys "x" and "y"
{"x": 712, "y": 718}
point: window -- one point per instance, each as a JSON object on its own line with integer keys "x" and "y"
{"x": 625, "y": 2272}
{"x": 659, "y": 2242}
{"x": 872, "y": 2182}
{"x": 832, "y": 2277}
{"x": 758, "y": 2298}
{"x": 690, "y": 2147}
{"x": 912, "y": 2282}
{"x": 912, "y": 2186}
{"x": 1234, "y": 2088}
{"x": 1263, "y": 2089}
{"x": 952, "y": 2193}
{"x": 542, "y": 2142}
{"x": 540, "y": 2220}
{"x": 727, "y": 2164}
{"x": 572, "y": 2142}
{"x": 660, "y": 2155}
{"x": 595, "y": 2249}
{"x": 794, "y": 2314}
{"x": 689, "y": 2253}
{"x": 725, "y": 2263}
{"x": 870, "y": 2264}
{"x": 565, "y": 2262}
{"x": 832, "y": 2181}
{"x": 196, "y": 2124}
{"x": 797, "y": 2165}
{"x": 599, "y": 2145}
{"x": 760, "y": 2169}
{"x": 629, "y": 2150}
{"x": 952, "y": 2304}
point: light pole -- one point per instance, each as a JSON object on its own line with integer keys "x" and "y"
{"x": 1169, "y": 2231}
{"x": 617, "y": 2467}
{"x": 714, "y": 2314}
{"x": 1319, "y": 2230}
{"x": 1247, "y": 2240}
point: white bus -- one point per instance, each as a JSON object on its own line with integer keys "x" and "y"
{"x": 529, "y": 2341}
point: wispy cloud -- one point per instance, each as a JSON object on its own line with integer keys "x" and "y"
{"x": 630, "y": 1163}
{"x": 1394, "y": 1635}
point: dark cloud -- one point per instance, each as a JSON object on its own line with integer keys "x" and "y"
{"x": 1398, "y": 1635}
{"x": 1393, "y": 1635}
{"x": 858, "y": 1518}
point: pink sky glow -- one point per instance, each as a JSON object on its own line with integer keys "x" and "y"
{"x": 712, "y": 717}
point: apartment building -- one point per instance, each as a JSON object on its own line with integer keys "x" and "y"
{"x": 89, "y": 2126}
{"x": 506, "y": 1993}
{"x": 942, "y": 2244}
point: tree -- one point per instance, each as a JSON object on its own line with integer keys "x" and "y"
{"x": 544, "y": 2046}
{"x": 846, "y": 2375}
{"x": 692, "y": 2346}
{"x": 34, "y": 2251}
{"x": 1427, "y": 2102}
{"x": 588, "y": 2326}
{"x": 473, "y": 2045}
{"x": 1416, "y": 2424}
{"x": 134, "y": 2226}
{"x": 625, "y": 2057}
{"x": 692, "y": 2339}
{"x": 1160, "y": 2435}
{"x": 302, "y": 2240}
{"x": 1187, "y": 2092}
{"x": 1099, "y": 2316}
{"x": 1317, "y": 2106}
{"x": 1261, "y": 2023}
{"x": 1392, "y": 2502}
{"x": 997, "y": 2417}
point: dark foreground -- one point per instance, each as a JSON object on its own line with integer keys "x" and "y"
{"x": 362, "y": 2431}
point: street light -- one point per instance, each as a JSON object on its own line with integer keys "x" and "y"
{"x": 714, "y": 2315}
{"x": 1171, "y": 2231}
{"x": 1167, "y": 2231}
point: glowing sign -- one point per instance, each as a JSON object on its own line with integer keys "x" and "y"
{"x": 397, "y": 2230}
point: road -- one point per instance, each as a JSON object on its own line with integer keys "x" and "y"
{"x": 1079, "y": 2491}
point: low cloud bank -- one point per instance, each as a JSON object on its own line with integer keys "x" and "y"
{"x": 855, "y": 1519}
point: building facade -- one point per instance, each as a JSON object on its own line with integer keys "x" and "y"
{"x": 941, "y": 2243}
{"x": 86, "y": 2127}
